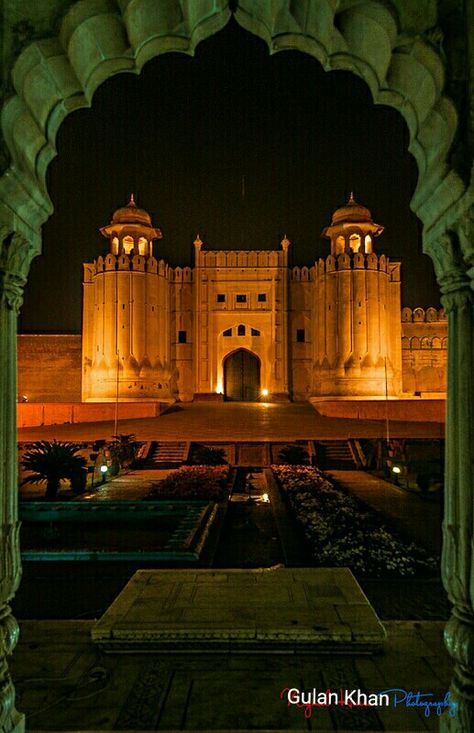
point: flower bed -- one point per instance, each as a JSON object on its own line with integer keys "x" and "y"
{"x": 193, "y": 482}
{"x": 344, "y": 532}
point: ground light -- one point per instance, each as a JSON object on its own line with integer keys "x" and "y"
{"x": 103, "y": 470}
{"x": 265, "y": 498}
{"x": 264, "y": 392}
{"x": 396, "y": 470}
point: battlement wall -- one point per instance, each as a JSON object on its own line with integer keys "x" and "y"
{"x": 136, "y": 263}
{"x": 357, "y": 261}
{"x": 242, "y": 258}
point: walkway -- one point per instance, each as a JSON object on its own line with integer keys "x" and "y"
{"x": 207, "y": 421}
{"x": 409, "y": 514}
{"x": 64, "y": 682}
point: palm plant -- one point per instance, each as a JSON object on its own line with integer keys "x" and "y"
{"x": 123, "y": 448}
{"x": 50, "y": 461}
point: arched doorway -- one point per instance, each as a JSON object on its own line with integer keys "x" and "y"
{"x": 242, "y": 376}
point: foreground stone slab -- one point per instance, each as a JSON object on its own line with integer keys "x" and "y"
{"x": 270, "y": 609}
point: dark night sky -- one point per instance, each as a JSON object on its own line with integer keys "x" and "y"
{"x": 183, "y": 135}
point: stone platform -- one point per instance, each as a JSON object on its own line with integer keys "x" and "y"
{"x": 265, "y": 610}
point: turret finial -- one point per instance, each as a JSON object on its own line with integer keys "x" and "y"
{"x": 351, "y": 198}
{"x": 132, "y": 200}
{"x": 197, "y": 241}
{"x": 285, "y": 242}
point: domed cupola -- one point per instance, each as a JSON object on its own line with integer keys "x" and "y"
{"x": 352, "y": 229}
{"x": 131, "y": 214}
{"x": 131, "y": 231}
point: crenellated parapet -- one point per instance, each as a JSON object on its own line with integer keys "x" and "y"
{"x": 302, "y": 274}
{"x": 133, "y": 263}
{"x": 241, "y": 258}
{"x": 356, "y": 261}
{"x": 420, "y": 315}
{"x": 181, "y": 274}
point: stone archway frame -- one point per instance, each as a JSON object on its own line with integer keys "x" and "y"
{"x": 100, "y": 38}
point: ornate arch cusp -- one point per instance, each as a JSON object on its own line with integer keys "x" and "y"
{"x": 100, "y": 38}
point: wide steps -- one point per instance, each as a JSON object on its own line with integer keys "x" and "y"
{"x": 172, "y": 452}
{"x": 335, "y": 454}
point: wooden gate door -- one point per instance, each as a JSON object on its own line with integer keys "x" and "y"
{"x": 242, "y": 377}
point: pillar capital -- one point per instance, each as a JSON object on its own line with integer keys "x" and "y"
{"x": 16, "y": 255}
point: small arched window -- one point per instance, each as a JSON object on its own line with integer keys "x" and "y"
{"x": 368, "y": 244}
{"x": 127, "y": 244}
{"x": 142, "y": 246}
{"x": 354, "y": 242}
{"x": 115, "y": 246}
{"x": 240, "y": 330}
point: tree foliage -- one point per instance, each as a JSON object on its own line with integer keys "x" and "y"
{"x": 50, "y": 461}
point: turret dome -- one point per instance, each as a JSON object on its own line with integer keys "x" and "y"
{"x": 351, "y": 212}
{"x": 131, "y": 214}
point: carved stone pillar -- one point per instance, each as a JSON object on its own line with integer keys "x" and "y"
{"x": 15, "y": 257}
{"x": 458, "y": 524}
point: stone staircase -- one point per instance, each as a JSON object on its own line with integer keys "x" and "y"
{"x": 336, "y": 454}
{"x": 171, "y": 453}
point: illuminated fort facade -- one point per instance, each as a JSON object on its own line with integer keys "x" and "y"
{"x": 242, "y": 325}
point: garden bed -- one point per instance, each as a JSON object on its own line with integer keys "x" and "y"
{"x": 342, "y": 531}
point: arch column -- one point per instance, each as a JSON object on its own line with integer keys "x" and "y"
{"x": 16, "y": 253}
{"x": 458, "y": 526}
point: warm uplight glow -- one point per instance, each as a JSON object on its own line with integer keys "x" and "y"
{"x": 264, "y": 392}
{"x": 265, "y": 498}
{"x": 219, "y": 388}
{"x": 396, "y": 469}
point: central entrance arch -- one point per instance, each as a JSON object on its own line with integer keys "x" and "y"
{"x": 242, "y": 376}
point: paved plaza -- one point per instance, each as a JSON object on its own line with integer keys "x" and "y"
{"x": 208, "y": 421}
{"x": 64, "y": 682}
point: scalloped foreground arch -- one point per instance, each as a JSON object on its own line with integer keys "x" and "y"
{"x": 100, "y": 38}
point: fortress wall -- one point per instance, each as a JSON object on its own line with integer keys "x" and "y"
{"x": 424, "y": 351}
{"x": 49, "y": 368}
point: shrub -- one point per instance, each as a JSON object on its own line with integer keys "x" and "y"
{"x": 204, "y": 455}
{"x": 294, "y": 455}
{"x": 193, "y": 482}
